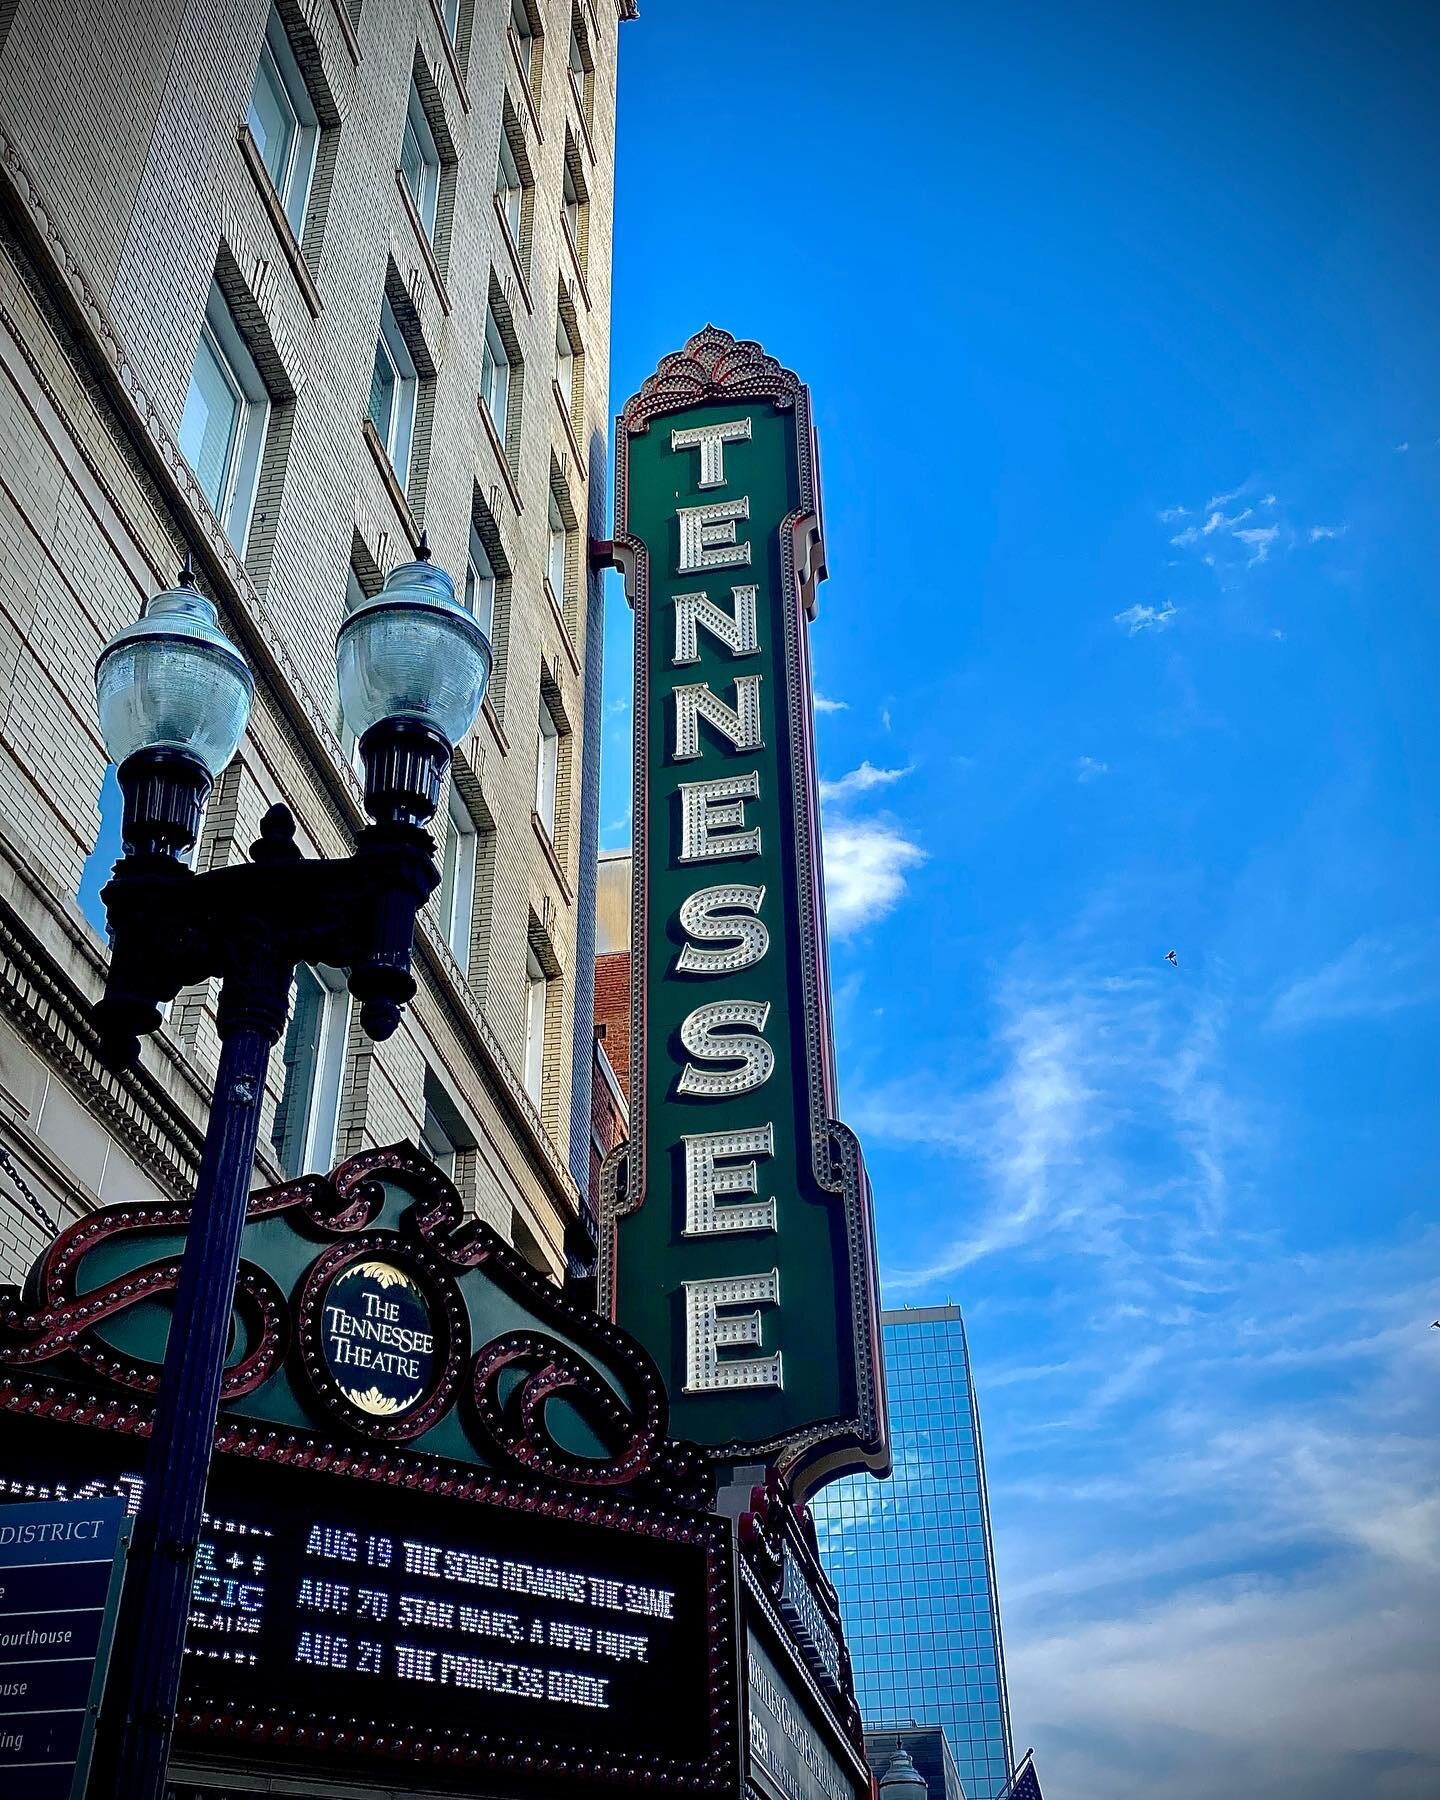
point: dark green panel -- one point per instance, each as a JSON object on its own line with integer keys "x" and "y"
{"x": 811, "y": 1326}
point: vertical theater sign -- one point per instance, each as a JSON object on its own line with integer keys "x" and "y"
{"x": 737, "y": 1238}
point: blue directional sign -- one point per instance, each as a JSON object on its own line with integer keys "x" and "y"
{"x": 61, "y": 1564}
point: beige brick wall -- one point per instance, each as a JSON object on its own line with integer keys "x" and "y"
{"x": 125, "y": 189}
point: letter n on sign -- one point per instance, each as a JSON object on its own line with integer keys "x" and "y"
{"x": 737, "y": 1240}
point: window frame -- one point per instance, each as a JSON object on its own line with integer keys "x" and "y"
{"x": 417, "y": 126}
{"x": 390, "y": 345}
{"x": 456, "y": 895}
{"x": 571, "y": 202}
{"x": 295, "y": 179}
{"x": 565, "y": 355}
{"x": 321, "y": 1123}
{"x": 522, "y": 36}
{"x": 437, "y": 1143}
{"x": 547, "y": 766}
{"x": 479, "y": 579}
{"x": 577, "y": 68}
{"x": 506, "y": 166}
{"x": 234, "y": 500}
{"x": 495, "y": 367}
{"x": 558, "y": 542}
{"x": 537, "y": 999}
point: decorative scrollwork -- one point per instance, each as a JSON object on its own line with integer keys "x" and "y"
{"x": 519, "y": 1431}
{"x": 69, "y": 1327}
{"x": 61, "y": 1325}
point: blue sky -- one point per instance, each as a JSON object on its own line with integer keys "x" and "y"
{"x": 1121, "y": 327}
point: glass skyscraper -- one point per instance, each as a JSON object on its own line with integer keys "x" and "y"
{"x": 911, "y": 1559}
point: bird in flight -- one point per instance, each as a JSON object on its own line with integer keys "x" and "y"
{"x": 1172, "y": 958}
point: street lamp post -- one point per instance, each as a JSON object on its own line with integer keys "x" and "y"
{"x": 174, "y": 696}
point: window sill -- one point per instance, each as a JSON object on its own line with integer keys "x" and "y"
{"x": 571, "y": 246}
{"x": 427, "y": 249}
{"x": 502, "y": 460}
{"x": 569, "y": 424}
{"x": 557, "y": 612}
{"x": 514, "y": 253}
{"x": 538, "y": 825}
{"x": 525, "y": 88}
{"x": 294, "y": 255}
{"x": 448, "y": 49}
{"x": 391, "y": 480}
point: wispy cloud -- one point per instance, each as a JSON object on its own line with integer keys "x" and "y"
{"x": 866, "y": 862}
{"x": 1378, "y": 974}
{"x": 1230, "y": 542}
{"x": 1259, "y": 539}
{"x": 1088, "y": 769}
{"x": 1403, "y": 447}
{"x": 1146, "y": 618}
{"x": 862, "y": 780}
{"x": 823, "y": 704}
{"x": 1086, "y": 1062}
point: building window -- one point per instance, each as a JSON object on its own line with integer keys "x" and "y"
{"x": 564, "y": 365}
{"x": 303, "y": 1134}
{"x": 450, "y": 13}
{"x": 580, "y": 68}
{"x": 444, "y": 1135}
{"x": 436, "y": 1142}
{"x": 547, "y": 767}
{"x": 555, "y": 559}
{"x": 393, "y": 388}
{"x": 528, "y": 1245}
{"x": 457, "y": 879}
{"x": 283, "y": 122}
{"x": 571, "y": 206}
{"x": 420, "y": 161}
{"x": 480, "y": 584}
{"x": 510, "y": 191}
{"x": 227, "y": 412}
{"x": 522, "y": 36}
{"x": 537, "y": 990}
{"x": 495, "y": 375}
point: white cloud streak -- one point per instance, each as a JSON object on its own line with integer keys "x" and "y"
{"x": 1380, "y": 973}
{"x": 1147, "y": 618}
{"x": 1258, "y": 540}
{"x": 862, "y": 780}
{"x": 823, "y": 704}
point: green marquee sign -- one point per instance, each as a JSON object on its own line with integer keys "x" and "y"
{"x": 737, "y": 1237}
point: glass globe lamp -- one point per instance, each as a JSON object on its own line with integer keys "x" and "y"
{"x": 413, "y": 667}
{"x": 173, "y": 696}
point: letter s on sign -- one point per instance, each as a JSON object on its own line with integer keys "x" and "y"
{"x": 706, "y": 1034}
{"x": 703, "y": 916}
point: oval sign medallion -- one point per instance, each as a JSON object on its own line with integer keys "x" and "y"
{"x": 378, "y": 1338}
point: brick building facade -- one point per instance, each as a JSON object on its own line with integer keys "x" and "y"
{"x": 283, "y": 283}
{"x": 612, "y": 962}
